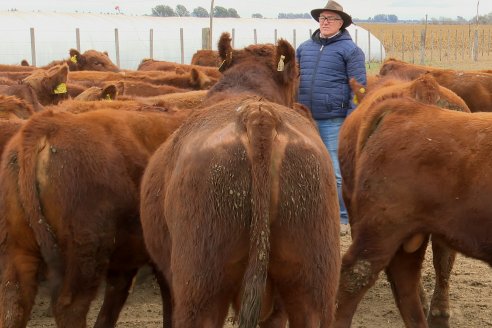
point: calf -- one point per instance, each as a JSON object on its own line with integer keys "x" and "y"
{"x": 424, "y": 89}
{"x": 90, "y": 60}
{"x": 69, "y": 199}
{"x": 263, "y": 227}
{"x": 475, "y": 87}
{"x": 436, "y": 184}
{"x": 206, "y": 58}
{"x": 41, "y": 87}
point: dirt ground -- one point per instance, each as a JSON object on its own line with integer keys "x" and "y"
{"x": 471, "y": 300}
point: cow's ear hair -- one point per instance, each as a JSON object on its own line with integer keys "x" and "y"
{"x": 109, "y": 92}
{"x": 56, "y": 78}
{"x": 225, "y": 51}
{"x": 285, "y": 61}
{"x": 76, "y": 58}
{"x": 425, "y": 89}
{"x": 358, "y": 90}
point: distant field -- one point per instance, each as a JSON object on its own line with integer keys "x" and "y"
{"x": 449, "y": 46}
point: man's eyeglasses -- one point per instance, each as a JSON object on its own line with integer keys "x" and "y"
{"x": 330, "y": 19}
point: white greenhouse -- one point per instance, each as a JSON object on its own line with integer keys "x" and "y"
{"x": 43, "y": 37}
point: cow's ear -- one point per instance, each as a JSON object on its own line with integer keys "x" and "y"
{"x": 109, "y": 92}
{"x": 425, "y": 89}
{"x": 76, "y": 58}
{"x": 358, "y": 90}
{"x": 24, "y": 62}
{"x": 285, "y": 61}
{"x": 199, "y": 80}
{"x": 106, "y": 53}
{"x": 56, "y": 79}
{"x": 225, "y": 51}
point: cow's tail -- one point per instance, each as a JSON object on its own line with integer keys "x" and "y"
{"x": 33, "y": 157}
{"x": 260, "y": 124}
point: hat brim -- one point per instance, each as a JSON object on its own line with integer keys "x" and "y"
{"x": 347, "y": 20}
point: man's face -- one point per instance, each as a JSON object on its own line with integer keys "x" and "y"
{"x": 329, "y": 23}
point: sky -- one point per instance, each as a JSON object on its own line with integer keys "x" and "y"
{"x": 362, "y": 9}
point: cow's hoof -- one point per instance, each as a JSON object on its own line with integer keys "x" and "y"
{"x": 438, "y": 319}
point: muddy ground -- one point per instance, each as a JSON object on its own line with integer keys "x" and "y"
{"x": 471, "y": 300}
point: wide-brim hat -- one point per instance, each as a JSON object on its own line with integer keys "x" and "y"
{"x": 335, "y": 7}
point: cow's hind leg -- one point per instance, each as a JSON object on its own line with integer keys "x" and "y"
{"x": 443, "y": 259}
{"x": 404, "y": 276}
{"x": 84, "y": 270}
{"x": 118, "y": 284}
{"x": 370, "y": 252}
{"x": 18, "y": 289}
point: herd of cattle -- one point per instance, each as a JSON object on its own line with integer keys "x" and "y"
{"x": 218, "y": 180}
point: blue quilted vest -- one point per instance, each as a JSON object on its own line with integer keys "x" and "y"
{"x": 326, "y": 65}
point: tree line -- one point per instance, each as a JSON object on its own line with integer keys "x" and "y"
{"x": 218, "y": 11}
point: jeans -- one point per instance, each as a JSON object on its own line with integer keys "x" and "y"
{"x": 329, "y": 130}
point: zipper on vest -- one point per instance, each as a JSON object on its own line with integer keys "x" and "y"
{"x": 321, "y": 49}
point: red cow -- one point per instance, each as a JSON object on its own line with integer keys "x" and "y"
{"x": 426, "y": 90}
{"x": 95, "y": 93}
{"x": 206, "y": 58}
{"x": 41, "y": 87}
{"x": 420, "y": 170}
{"x": 90, "y": 60}
{"x": 69, "y": 199}
{"x": 12, "y": 107}
{"x": 239, "y": 205}
{"x": 475, "y": 87}
{"x": 157, "y": 65}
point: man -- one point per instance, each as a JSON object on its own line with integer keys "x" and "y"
{"x": 327, "y": 61}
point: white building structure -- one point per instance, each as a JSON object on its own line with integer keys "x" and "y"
{"x": 43, "y": 37}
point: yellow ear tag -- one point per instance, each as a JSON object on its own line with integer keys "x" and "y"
{"x": 108, "y": 97}
{"x": 73, "y": 59}
{"x": 362, "y": 90}
{"x": 61, "y": 88}
{"x": 356, "y": 100}
{"x": 280, "y": 66}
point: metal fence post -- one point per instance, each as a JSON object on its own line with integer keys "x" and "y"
{"x": 77, "y": 38}
{"x": 33, "y": 47}
{"x": 151, "y": 45}
{"x": 181, "y": 42}
{"x": 117, "y": 46}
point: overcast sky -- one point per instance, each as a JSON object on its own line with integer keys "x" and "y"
{"x": 363, "y": 9}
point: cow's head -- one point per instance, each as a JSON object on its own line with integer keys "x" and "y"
{"x": 109, "y": 92}
{"x": 265, "y": 69}
{"x": 91, "y": 60}
{"x": 50, "y": 86}
{"x": 12, "y": 107}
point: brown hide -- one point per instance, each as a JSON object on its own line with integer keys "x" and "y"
{"x": 90, "y": 60}
{"x": 82, "y": 106}
{"x": 45, "y": 82}
{"x": 39, "y": 88}
{"x": 144, "y": 89}
{"x": 96, "y": 93}
{"x": 156, "y": 65}
{"x": 12, "y": 107}
{"x": 475, "y": 87}
{"x": 70, "y": 195}
{"x": 256, "y": 71}
{"x": 183, "y": 100}
{"x": 426, "y": 90}
{"x": 191, "y": 80}
{"x": 16, "y": 68}
{"x": 239, "y": 205}
{"x": 206, "y": 58}
{"x": 420, "y": 169}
